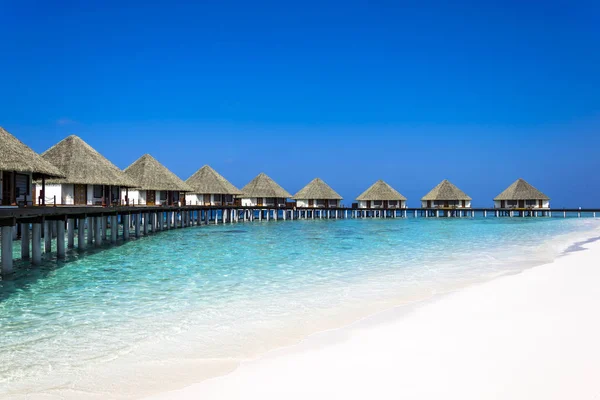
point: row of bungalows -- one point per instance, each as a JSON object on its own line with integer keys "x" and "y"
{"x": 73, "y": 173}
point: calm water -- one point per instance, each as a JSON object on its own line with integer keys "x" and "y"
{"x": 130, "y": 313}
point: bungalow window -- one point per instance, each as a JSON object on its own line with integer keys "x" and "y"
{"x": 218, "y": 198}
{"x": 229, "y": 198}
{"x": 98, "y": 191}
{"x": 531, "y": 203}
{"x": 163, "y": 195}
{"x": 377, "y": 203}
{"x": 270, "y": 201}
{"x": 320, "y": 203}
{"x": 393, "y": 203}
{"x": 511, "y": 203}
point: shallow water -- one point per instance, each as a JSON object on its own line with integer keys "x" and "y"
{"x": 231, "y": 292}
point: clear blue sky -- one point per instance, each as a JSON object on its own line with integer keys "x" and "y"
{"x": 352, "y": 92}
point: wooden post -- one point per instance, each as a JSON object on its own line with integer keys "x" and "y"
{"x": 125, "y": 219}
{"x": 81, "y": 234}
{"x": 47, "y": 237}
{"x": 36, "y": 243}
{"x": 114, "y": 228}
{"x": 7, "y": 256}
{"x": 24, "y": 241}
{"x": 60, "y": 239}
{"x": 98, "y": 231}
{"x": 70, "y": 233}
{"x": 137, "y": 224}
{"x": 43, "y": 192}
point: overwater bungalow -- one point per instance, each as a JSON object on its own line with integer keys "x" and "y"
{"x": 521, "y": 194}
{"x": 210, "y": 189}
{"x": 446, "y": 195}
{"x": 19, "y": 166}
{"x": 263, "y": 191}
{"x": 317, "y": 194}
{"x": 155, "y": 185}
{"x": 381, "y": 195}
{"x": 89, "y": 178}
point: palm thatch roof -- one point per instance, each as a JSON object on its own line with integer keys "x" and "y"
{"x": 81, "y": 164}
{"x": 208, "y": 181}
{"x": 149, "y": 174}
{"x": 264, "y": 186}
{"x": 380, "y": 190}
{"x": 446, "y": 191}
{"x": 317, "y": 190}
{"x": 16, "y": 156}
{"x": 521, "y": 190}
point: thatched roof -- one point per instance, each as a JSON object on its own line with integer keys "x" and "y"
{"x": 380, "y": 191}
{"x": 521, "y": 190}
{"x": 149, "y": 174}
{"x": 446, "y": 191}
{"x": 317, "y": 190}
{"x": 81, "y": 164}
{"x": 263, "y": 186}
{"x": 208, "y": 181}
{"x": 16, "y": 156}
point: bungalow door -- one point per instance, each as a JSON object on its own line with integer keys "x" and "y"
{"x": 521, "y": 203}
{"x": 502, "y": 203}
{"x": 541, "y": 203}
{"x": 368, "y": 203}
{"x": 428, "y": 203}
{"x": 7, "y": 188}
{"x": 326, "y": 203}
{"x": 259, "y": 201}
{"x": 80, "y": 195}
{"x": 311, "y": 202}
{"x": 150, "y": 197}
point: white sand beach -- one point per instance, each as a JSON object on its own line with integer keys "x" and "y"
{"x": 534, "y": 335}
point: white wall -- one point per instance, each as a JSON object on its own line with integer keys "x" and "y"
{"x": 138, "y": 197}
{"x": 252, "y": 202}
{"x": 135, "y": 196}
{"x": 545, "y": 204}
{"x": 51, "y": 191}
{"x": 305, "y": 202}
{"x": 193, "y": 199}
{"x": 54, "y": 190}
{"x": 440, "y": 204}
{"x": 363, "y": 204}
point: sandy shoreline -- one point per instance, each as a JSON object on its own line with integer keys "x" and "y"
{"x": 533, "y": 335}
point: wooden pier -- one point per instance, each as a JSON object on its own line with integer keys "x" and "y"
{"x": 95, "y": 226}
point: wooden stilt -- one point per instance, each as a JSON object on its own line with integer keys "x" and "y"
{"x": 25, "y": 242}
{"x": 7, "y": 250}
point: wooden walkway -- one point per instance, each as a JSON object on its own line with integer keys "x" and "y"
{"x": 96, "y": 226}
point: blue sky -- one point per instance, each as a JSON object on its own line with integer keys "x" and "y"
{"x": 352, "y": 92}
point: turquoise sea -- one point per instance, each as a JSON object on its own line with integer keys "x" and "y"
{"x": 166, "y": 310}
